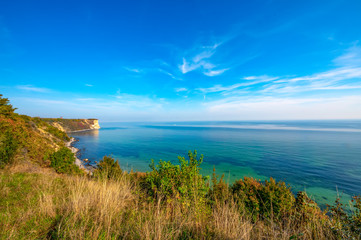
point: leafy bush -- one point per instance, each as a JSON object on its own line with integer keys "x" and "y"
{"x": 267, "y": 200}
{"x": 8, "y": 147}
{"x": 344, "y": 225}
{"x": 219, "y": 191}
{"x": 183, "y": 182}
{"x": 277, "y": 199}
{"x": 63, "y": 161}
{"x": 108, "y": 168}
{"x": 246, "y": 193}
{"x": 306, "y": 209}
{"x": 356, "y": 217}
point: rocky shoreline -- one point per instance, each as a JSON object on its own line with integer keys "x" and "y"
{"x": 78, "y": 162}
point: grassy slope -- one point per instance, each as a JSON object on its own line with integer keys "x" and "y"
{"x": 44, "y": 205}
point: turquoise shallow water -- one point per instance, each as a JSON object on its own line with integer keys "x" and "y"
{"x": 321, "y": 157}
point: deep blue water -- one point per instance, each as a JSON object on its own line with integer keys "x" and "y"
{"x": 321, "y": 157}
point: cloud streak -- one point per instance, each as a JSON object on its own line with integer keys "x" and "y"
{"x": 181, "y": 89}
{"x": 246, "y": 82}
{"x": 31, "y": 88}
{"x": 200, "y": 59}
{"x": 346, "y": 75}
{"x": 273, "y": 108}
{"x": 134, "y": 70}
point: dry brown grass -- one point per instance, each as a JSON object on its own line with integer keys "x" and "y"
{"x": 68, "y": 207}
{"x": 229, "y": 223}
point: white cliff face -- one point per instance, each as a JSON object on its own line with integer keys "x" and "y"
{"x": 75, "y": 125}
{"x": 94, "y": 124}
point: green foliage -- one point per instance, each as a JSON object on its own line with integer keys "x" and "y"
{"x": 108, "y": 168}
{"x": 26, "y": 134}
{"x": 6, "y": 108}
{"x": 9, "y": 142}
{"x": 268, "y": 200}
{"x": 63, "y": 161}
{"x": 345, "y": 225}
{"x": 219, "y": 191}
{"x": 182, "y": 181}
{"x": 25, "y": 118}
{"x": 277, "y": 199}
{"x": 42, "y": 206}
{"x": 246, "y": 193}
{"x": 356, "y": 217}
{"x": 8, "y": 147}
{"x": 57, "y": 133}
{"x": 306, "y": 209}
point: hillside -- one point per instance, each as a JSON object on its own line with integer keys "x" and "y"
{"x": 33, "y": 142}
{"x": 26, "y": 138}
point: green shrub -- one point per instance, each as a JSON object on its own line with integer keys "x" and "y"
{"x": 63, "y": 161}
{"x": 8, "y": 147}
{"x": 277, "y": 199}
{"x": 108, "y": 168}
{"x": 344, "y": 225}
{"x": 306, "y": 209}
{"x": 183, "y": 182}
{"x": 246, "y": 193}
{"x": 25, "y": 118}
{"x": 356, "y": 216}
{"x": 219, "y": 191}
{"x": 268, "y": 200}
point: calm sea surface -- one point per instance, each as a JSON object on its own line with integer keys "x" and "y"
{"x": 321, "y": 157}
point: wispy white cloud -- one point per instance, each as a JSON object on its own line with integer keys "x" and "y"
{"x": 136, "y": 101}
{"x": 338, "y": 78}
{"x": 265, "y": 97}
{"x": 351, "y": 58}
{"x": 135, "y": 70}
{"x": 200, "y": 59}
{"x": 345, "y": 75}
{"x": 31, "y": 88}
{"x": 120, "y": 107}
{"x": 247, "y": 81}
{"x": 219, "y": 88}
{"x": 169, "y": 74}
{"x": 88, "y": 85}
{"x": 212, "y": 73}
{"x": 46, "y": 102}
{"x": 85, "y": 99}
{"x": 181, "y": 89}
{"x": 274, "y": 108}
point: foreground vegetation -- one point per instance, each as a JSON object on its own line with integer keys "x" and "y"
{"x": 160, "y": 205}
{"x": 45, "y": 196}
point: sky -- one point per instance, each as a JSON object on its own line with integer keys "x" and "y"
{"x": 199, "y": 60}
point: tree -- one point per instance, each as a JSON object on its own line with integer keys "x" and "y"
{"x": 6, "y": 108}
{"x": 108, "y": 168}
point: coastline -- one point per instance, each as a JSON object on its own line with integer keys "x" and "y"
{"x": 78, "y": 162}
{"x": 84, "y": 130}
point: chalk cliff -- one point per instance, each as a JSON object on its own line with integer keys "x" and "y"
{"x": 73, "y": 125}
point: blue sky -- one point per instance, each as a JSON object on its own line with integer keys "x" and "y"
{"x": 182, "y": 60}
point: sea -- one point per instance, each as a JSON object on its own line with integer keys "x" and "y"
{"x": 322, "y": 158}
